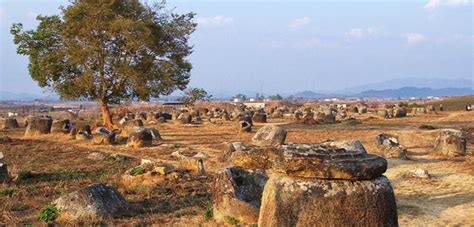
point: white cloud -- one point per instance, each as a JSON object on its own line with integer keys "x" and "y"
{"x": 214, "y": 21}
{"x": 414, "y": 38}
{"x": 434, "y": 4}
{"x": 300, "y": 22}
{"x": 363, "y": 33}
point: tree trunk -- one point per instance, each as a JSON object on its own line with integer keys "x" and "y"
{"x": 106, "y": 116}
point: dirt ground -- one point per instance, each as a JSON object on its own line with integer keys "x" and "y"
{"x": 59, "y": 166}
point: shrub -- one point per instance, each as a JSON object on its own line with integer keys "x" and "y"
{"x": 137, "y": 170}
{"x": 6, "y": 191}
{"x": 48, "y": 213}
{"x": 230, "y": 220}
{"x": 24, "y": 174}
{"x": 208, "y": 213}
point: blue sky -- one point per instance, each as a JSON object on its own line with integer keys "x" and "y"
{"x": 290, "y": 46}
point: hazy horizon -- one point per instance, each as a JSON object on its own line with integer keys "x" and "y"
{"x": 285, "y": 47}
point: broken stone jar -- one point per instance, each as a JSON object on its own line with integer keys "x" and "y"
{"x": 324, "y": 185}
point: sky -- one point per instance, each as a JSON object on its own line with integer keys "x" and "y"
{"x": 290, "y": 46}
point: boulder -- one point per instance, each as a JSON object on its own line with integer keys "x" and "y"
{"x": 154, "y": 133}
{"x": 420, "y": 173}
{"x": 127, "y": 126}
{"x": 326, "y": 118}
{"x": 362, "y": 109}
{"x": 86, "y": 129}
{"x": 184, "y": 118}
{"x": 38, "y": 126}
{"x": 139, "y": 138}
{"x": 390, "y": 147}
{"x": 193, "y": 161}
{"x": 237, "y": 193}
{"x": 196, "y": 120}
{"x": 322, "y": 185}
{"x": 147, "y": 173}
{"x": 400, "y": 112}
{"x": 451, "y": 142}
{"x": 96, "y": 202}
{"x": 102, "y": 130}
{"x": 103, "y": 138}
{"x": 259, "y": 118}
{"x": 246, "y": 118}
{"x": 8, "y": 123}
{"x": 269, "y": 135}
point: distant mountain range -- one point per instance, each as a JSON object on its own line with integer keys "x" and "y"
{"x": 411, "y": 83}
{"x": 397, "y": 88}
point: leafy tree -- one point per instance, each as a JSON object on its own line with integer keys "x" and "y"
{"x": 194, "y": 95}
{"x": 109, "y": 50}
{"x": 275, "y": 97}
{"x": 241, "y": 97}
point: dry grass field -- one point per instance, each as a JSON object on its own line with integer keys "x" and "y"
{"x": 51, "y": 165}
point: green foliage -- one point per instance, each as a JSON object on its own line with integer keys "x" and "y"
{"x": 275, "y": 97}
{"x": 230, "y": 220}
{"x": 208, "y": 212}
{"x": 403, "y": 104}
{"x": 139, "y": 189}
{"x": 6, "y": 191}
{"x": 241, "y": 97}
{"x": 131, "y": 51}
{"x": 137, "y": 170}
{"x": 48, "y": 213}
{"x": 24, "y": 174}
{"x": 454, "y": 103}
{"x": 194, "y": 95}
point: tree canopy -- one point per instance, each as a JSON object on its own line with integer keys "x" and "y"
{"x": 109, "y": 50}
{"x": 194, "y": 95}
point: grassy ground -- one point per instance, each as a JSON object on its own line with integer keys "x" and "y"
{"x": 59, "y": 166}
{"x": 454, "y": 103}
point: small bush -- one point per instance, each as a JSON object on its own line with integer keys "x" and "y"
{"x": 48, "y": 213}
{"x": 139, "y": 189}
{"x": 24, "y": 174}
{"x": 137, "y": 170}
{"x": 230, "y": 220}
{"x": 208, "y": 213}
{"x": 178, "y": 214}
{"x": 6, "y": 191}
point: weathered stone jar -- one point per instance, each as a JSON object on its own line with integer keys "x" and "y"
{"x": 237, "y": 193}
{"x": 451, "y": 142}
{"x": 327, "y": 185}
{"x": 38, "y": 126}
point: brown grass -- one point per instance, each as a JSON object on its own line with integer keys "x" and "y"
{"x": 60, "y": 166}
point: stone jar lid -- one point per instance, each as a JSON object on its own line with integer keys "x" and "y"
{"x": 323, "y": 161}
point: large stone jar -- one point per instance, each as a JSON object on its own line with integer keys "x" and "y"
{"x": 327, "y": 185}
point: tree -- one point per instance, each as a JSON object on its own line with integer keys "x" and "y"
{"x": 241, "y": 97}
{"x": 275, "y": 97}
{"x": 109, "y": 50}
{"x": 194, "y": 95}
